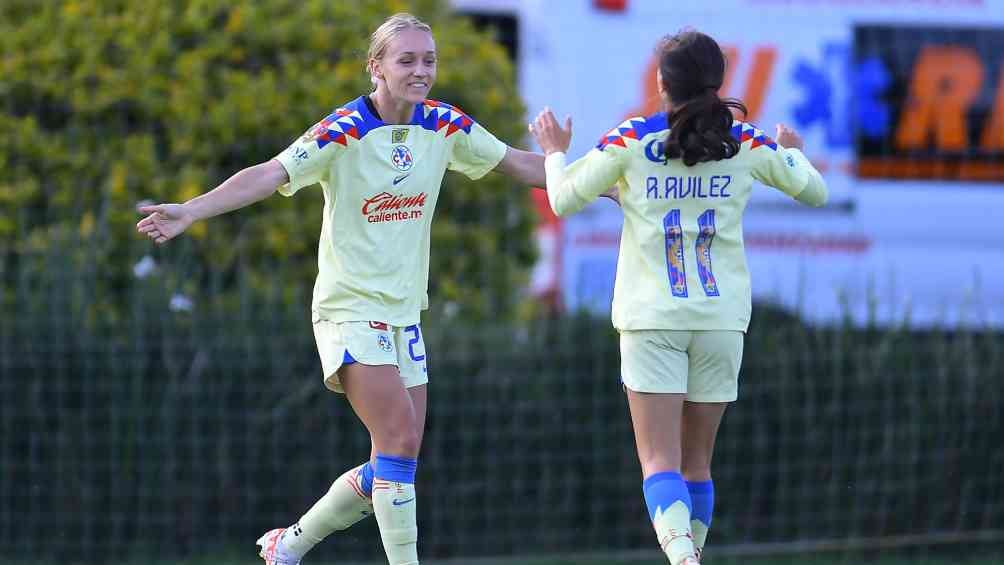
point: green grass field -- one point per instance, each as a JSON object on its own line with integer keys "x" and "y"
{"x": 915, "y": 558}
{"x": 977, "y": 552}
{"x": 787, "y": 560}
{"x": 802, "y": 560}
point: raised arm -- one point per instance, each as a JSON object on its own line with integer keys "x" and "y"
{"x": 166, "y": 221}
{"x": 789, "y": 170}
{"x": 571, "y": 189}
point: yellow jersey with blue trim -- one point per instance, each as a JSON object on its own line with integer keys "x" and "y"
{"x": 381, "y": 183}
{"x": 681, "y": 264}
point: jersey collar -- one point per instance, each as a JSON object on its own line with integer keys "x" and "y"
{"x": 369, "y": 112}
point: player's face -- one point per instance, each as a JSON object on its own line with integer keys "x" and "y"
{"x": 408, "y": 67}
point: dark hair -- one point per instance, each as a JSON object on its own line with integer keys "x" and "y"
{"x": 700, "y": 123}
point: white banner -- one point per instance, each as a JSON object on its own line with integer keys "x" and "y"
{"x": 922, "y": 253}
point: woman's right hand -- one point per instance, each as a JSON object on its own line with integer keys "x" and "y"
{"x": 164, "y": 221}
{"x": 551, "y": 137}
{"x": 787, "y": 137}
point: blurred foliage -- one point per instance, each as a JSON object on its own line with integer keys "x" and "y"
{"x": 108, "y": 103}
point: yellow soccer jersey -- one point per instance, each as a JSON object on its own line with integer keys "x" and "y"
{"x": 381, "y": 182}
{"x": 682, "y": 264}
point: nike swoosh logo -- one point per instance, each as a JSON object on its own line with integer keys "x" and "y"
{"x": 399, "y": 502}
{"x": 401, "y": 178}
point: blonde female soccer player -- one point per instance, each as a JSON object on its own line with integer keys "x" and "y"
{"x": 682, "y": 294}
{"x": 380, "y": 160}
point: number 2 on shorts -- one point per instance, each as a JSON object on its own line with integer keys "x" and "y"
{"x": 416, "y": 336}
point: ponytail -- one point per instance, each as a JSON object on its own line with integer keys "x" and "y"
{"x": 692, "y": 67}
{"x": 700, "y": 130}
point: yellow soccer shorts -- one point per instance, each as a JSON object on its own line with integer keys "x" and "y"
{"x": 704, "y": 365}
{"x": 371, "y": 343}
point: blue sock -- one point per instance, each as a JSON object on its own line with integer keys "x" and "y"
{"x": 663, "y": 489}
{"x": 366, "y": 473}
{"x": 396, "y": 469}
{"x": 702, "y": 494}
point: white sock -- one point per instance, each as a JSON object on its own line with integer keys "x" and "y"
{"x": 700, "y": 532}
{"x": 672, "y": 526}
{"x": 342, "y": 506}
{"x": 394, "y": 505}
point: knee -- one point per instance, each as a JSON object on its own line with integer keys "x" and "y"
{"x": 404, "y": 439}
{"x": 659, "y": 461}
{"x": 408, "y": 444}
{"x": 696, "y": 466}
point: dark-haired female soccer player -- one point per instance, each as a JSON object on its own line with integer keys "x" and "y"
{"x": 682, "y": 295}
{"x": 380, "y": 160}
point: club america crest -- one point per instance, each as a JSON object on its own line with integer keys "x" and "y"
{"x": 384, "y": 343}
{"x": 401, "y": 157}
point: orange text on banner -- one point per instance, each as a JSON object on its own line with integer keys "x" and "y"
{"x": 756, "y": 83}
{"x": 993, "y": 132}
{"x": 946, "y": 81}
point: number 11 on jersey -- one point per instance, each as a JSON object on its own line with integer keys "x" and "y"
{"x": 705, "y": 235}
{"x": 674, "y": 253}
{"x": 675, "y": 265}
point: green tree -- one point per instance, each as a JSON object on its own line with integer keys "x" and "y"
{"x": 107, "y": 103}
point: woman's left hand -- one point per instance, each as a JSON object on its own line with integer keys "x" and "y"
{"x": 551, "y": 137}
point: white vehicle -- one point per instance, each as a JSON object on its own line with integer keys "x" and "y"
{"x": 912, "y": 234}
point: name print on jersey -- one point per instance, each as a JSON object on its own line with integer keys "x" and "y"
{"x": 387, "y": 207}
{"x": 715, "y": 186}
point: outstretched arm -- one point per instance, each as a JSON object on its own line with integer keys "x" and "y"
{"x": 528, "y": 168}
{"x": 523, "y": 166}
{"x": 166, "y": 221}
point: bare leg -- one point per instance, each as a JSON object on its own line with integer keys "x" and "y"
{"x": 700, "y": 427}
{"x": 657, "y": 420}
{"x": 379, "y": 398}
{"x": 419, "y": 400}
{"x": 385, "y": 407}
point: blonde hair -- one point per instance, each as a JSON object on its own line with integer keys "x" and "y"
{"x": 386, "y": 33}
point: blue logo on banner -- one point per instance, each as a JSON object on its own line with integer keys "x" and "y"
{"x": 827, "y": 101}
{"x": 842, "y": 96}
{"x": 871, "y": 79}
